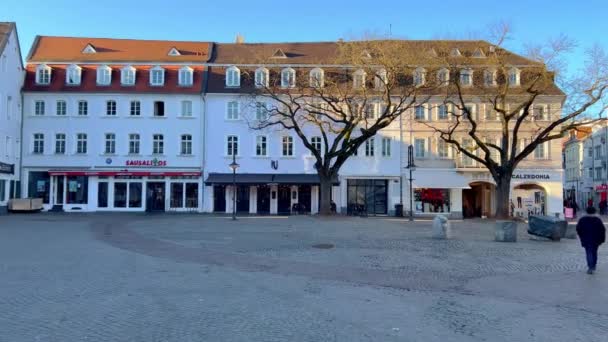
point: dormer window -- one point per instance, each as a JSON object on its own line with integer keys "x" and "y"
{"x": 43, "y": 74}
{"x": 478, "y": 53}
{"x": 157, "y": 76}
{"x": 89, "y": 49}
{"x": 489, "y": 77}
{"x": 288, "y": 78}
{"x": 279, "y": 54}
{"x": 104, "y": 75}
{"x": 174, "y": 52}
{"x": 73, "y": 75}
{"x": 466, "y": 77}
{"x": 185, "y": 76}
{"x": 514, "y": 77}
{"x": 419, "y": 77}
{"x": 359, "y": 79}
{"x": 443, "y": 76}
{"x": 233, "y": 77}
{"x": 261, "y": 77}
{"x": 455, "y": 53}
{"x": 127, "y": 76}
{"x": 317, "y": 78}
{"x": 381, "y": 80}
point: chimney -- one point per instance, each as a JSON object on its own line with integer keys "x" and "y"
{"x": 239, "y": 39}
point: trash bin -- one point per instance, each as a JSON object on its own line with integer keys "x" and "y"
{"x": 399, "y": 210}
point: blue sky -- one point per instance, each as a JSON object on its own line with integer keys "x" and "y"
{"x": 533, "y": 21}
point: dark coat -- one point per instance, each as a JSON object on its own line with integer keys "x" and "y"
{"x": 591, "y": 231}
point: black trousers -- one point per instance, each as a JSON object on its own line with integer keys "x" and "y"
{"x": 591, "y": 256}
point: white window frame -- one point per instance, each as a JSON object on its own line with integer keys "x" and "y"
{"x": 135, "y": 108}
{"x": 419, "y": 77}
{"x": 514, "y": 77}
{"x": 134, "y": 143}
{"x": 490, "y": 78}
{"x": 232, "y": 145}
{"x": 157, "y": 76}
{"x": 128, "y": 76}
{"x": 386, "y": 147}
{"x": 39, "y": 108}
{"x": 261, "y": 77}
{"x": 447, "y": 112}
{"x": 232, "y": 110}
{"x": 38, "y": 143}
{"x": 233, "y": 77}
{"x": 186, "y": 76}
{"x": 469, "y": 73}
{"x": 261, "y": 146}
{"x": 104, "y": 75}
{"x": 43, "y": 74}
{"x": 381, "y": 79}
{"x": 541, "y": 152}
{"x": 81, "y": 143}
{"x": 288, "y": 78}
{"x": 261, "y": 111}
{"x": 359, "y": 78}
{"x": 109, "y": 143}
{"x": 370, "y": 147}
{"x": 186, "y": 111}
{"x": 60, "y": 143}
{"x": 443, "y": 81}
{"x": 287, "y": 146}
{"x": 317, "y": 78}
{"x": 317, "y": 143}
{"x": 545, "y": 109}
{"x": 424, "y": 112}
{"x": 83, "y": 108}
{"x": 111, "y": 108}
{"x": 186, "y": 145}
{"x": 73, "y": 75}
{"x": 443, "y": 149}
{"x": 420, "y": 148}
{"x": 158, "y": 144}
{"x": 61, "y": 108}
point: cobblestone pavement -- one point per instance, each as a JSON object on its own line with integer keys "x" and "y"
{"x": 136, "y": 277}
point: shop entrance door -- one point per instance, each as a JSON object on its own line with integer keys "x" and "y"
{"x": 155, "y": 196}
{"x": 219, "y": 198}
{"x": 242, "y": 198}
{"x": 284, "y": 200}
{"x": 304, "y": 198}
{"x": 57, "y": 200}
{"x": 263, "y": 201}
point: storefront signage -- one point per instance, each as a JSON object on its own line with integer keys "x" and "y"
{"x": 531, "y": 176}
{"x": 7, "y": 168}
{"x": 150, "y": 162}
{"x": 602, "y": 187}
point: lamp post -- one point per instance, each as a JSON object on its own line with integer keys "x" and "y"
{"x": 234, "y": 165}
{"x": 411, "y": 166}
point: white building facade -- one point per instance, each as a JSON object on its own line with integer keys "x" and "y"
{"x": 594, "y": 187}
{"x": 114, "y": 125}
{"x": 11, "y": 81}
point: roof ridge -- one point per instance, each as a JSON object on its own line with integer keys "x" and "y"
{"x": 130, "y": 39}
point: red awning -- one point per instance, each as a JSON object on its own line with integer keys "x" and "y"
{"x": 123, "y": 173}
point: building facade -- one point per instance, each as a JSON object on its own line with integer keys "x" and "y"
{"x": 113, "y": 124}
{"x": 576, "y": 182}
{"x": 594, "y": 186}
{"x": 11, "y": 81}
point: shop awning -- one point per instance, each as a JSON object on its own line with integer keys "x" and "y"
{"x": 439, "y": 180}
{"x": 265, "y": 178}
{"x": 123, "y": 173}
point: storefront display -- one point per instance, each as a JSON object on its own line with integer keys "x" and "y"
{"x": 432, "y": 200}
{"x": 367, "y": 195}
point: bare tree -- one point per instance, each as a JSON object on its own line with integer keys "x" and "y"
{"x": 336, "y": 108}
{"x": 512, "y": 89}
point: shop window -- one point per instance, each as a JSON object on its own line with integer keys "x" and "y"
{"x": 78, "y": 189}
{"x": 2, "y": 190}
{"x": 39, "y": 185}
{"x": 191, "y": 195}
{"x": 177, "y": 195}
{"x": 135, "y": 197}
{"x": 120, "y": 195}
{"x": 432, "y": 200}
{"x": 102, "y": 194}
{"x": 367, "y": 196}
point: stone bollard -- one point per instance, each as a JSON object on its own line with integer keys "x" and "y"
{"x": 506, "y": 231}
{"x": 441, "y": 228}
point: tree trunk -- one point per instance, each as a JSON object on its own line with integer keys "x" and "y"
{"x": 325, "y": 194}
{"x": 503, "y": 203}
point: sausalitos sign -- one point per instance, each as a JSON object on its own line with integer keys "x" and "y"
{"x": 531, "y": 176}
{"x": 147, "y": 162}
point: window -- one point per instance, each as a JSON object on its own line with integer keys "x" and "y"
{"x": 232, "y": 147}
{"x": 81, "y": 143}
{"x": 419, "y": 77}
{"x": 61, "y": 108}
{"x": 110, "y": 147}
{"x": 432, "y": 200}
{"x": 261, "y": 112}
{"x": 287, "y": 146}
{"x": 39, "y": 108}
{"x": 261, "y": 77}
{"x": 127, "y": 76}
{"x": 77, "y": 187}
{"x": 466, "y": 77}
{"x": 232, "y": 112}
{"x": 467, "y": 144}
{"x": 260, "y": 145}
{"x": 111, "y": 108}
{"x": 317, "y": 78}
{"x": 135, "y": 108}
{"x": 73, "y": 75}
{"x": 514, "y": 77}
{"x": 59, "y": 143}
{"x": 359, "y": 79}
{"x": 442, "y": 112}
{"x": 386, "y": 147}
{"x": 590, "y": 152}
{"x": 38, "y": 147}
{"x": 233, "y": 77}
{"x": 316, "y": 143}
{"x": 491, "y": 114}
{"x": 598, "y": 173}
{"x": 370, "y": 110}
{"x": 185, "y": 76}
{"x": 187, "y": 108}
{"x": 186, "y": 145}
{"x": 469, "y": 109}
{"x": 443, "y": 76}
{"x": 598, "y": 152}
{"x": 104, "y": 75}
{"x": 419, "y": 112}
{"x": 369, "y": 147}
{"x": 540, "y": 113}
{"x": 420, "y": 148}
{"x": 288, "y": 78}
{"x": 380, "y": 82}
{"x": 83, "y": 108}
{"x": 158, "y": 144}
{"x": 133, "y": 143}
{"x": 157, "y": 76}
{"x": 442, "y": 148}
{"x": 43, "y": 74}
{"x": 540, "y": 151}
{"x": 159, "y": 108}
{"x": 489, "y": 77}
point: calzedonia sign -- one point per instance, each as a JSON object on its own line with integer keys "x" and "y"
{"x": 531, "y": 176}
{"x": 146, "y": 162}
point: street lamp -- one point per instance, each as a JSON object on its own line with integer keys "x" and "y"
{"x": 411, "y": 166}
{"x": 233, "y": 166}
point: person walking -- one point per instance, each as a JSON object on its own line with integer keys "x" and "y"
{"x": 592, "y": 233}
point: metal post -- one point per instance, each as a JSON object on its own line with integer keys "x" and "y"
{"x": 411, "y": 166}
{"x": 411, "y": 197}
{"x": 233, "y": 186}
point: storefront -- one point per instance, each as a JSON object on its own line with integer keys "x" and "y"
{"x": 438, "y": 191}
{"x": 369, "y": 196}
{"x": 8, "y": 185}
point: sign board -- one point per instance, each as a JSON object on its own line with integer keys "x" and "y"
{"x": 7, "y": 168}
{"x": 531, "y": 176}
{"x": 147, "y": 162}
{"x": 602, "y": 187}
{"x": 569, "y": 213}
